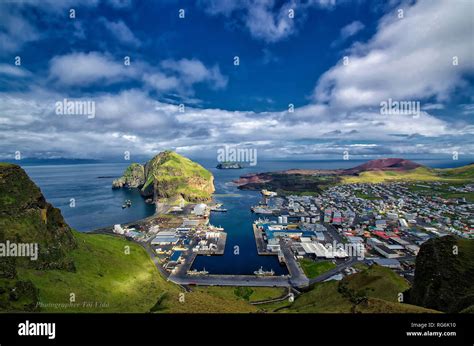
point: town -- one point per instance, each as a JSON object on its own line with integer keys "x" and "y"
{"x": 318, "y": 238}
{"x": 383, "y": 224}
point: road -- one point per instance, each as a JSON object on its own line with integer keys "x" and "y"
{"x": 232, "y": 280}
{"x": 334, "y": 271}
{"x": 297, "y": 276}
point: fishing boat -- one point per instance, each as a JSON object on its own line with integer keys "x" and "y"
{"x": 268, "y": 193}
{"x": 262, "y": 272}
{"x": 218, "y": 208}
{"x": 198, "y": 272}
{"x": 261, "y": 210}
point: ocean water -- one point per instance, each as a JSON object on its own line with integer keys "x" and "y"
{"x": 97, "y": 205}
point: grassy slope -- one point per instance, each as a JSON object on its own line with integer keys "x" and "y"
{"x": 461, "y": 174}
{"x": 313, "y": 269}
{"x": 128, "y": 283}
{"x": 381, "y": 285}
{"x": 105, "y": 274}
{"x": 175, "y": 174}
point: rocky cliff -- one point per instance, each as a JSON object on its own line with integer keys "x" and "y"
{"x": 169, "y": 177}
{"x": 26, "y": 221}
{"x": 444, "y": 275}
{"x": 26, "y": 217}
{"x": 134, "y": 176}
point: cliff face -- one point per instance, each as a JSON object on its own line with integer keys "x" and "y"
{"x": 444, "y": 278}
{"x": 26, "y": 217}
{"x": 169, "y": 176}
{"x": 134, "y": 176}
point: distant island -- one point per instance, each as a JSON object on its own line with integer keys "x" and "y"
{"x": 169, "y": 178}
{"x": 374, "y": 171}
{"x": 229, "y": 165}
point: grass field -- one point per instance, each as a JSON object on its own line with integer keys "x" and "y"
{"x": 313, "y": 269}
{"x": 109, "y": 280}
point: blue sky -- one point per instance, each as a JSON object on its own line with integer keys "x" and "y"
{"x": 397, "y": 50}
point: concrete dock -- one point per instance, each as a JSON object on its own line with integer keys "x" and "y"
{"x": 261, "y": 245}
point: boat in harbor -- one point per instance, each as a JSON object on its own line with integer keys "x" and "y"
{"x": 215, "y": 228}
{"x": 127, "y": 204}
{"x": 262, "y": 272}
{"x": 218, "y": 209}
{"x": 261, "y": 210}
{"x": 198, "y": 272}
{"x": 268, "y": 193}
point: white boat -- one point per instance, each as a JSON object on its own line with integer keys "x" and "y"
{"x": 262, "y": 272}
{"x": 198, "y": 272}
{"x": 261, "y": 210}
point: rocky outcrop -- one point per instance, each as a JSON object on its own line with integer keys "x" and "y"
{"x": 444, "y": 275}
{"x": 169, "y": 177}
{"x": 134, "y": 176}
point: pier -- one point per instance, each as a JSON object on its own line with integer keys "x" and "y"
{"x": 261, "y": 245}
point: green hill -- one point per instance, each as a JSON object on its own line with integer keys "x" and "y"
{"x": 169, "y": 177}
{"x": 107, "y": 279}
{"x": 462, "y": 174}
{"x": 373, "y": 290}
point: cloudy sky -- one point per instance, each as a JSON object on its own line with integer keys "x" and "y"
{"x": 300, "y": 79}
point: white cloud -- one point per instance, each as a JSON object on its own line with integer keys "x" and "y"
{"x": 263, "y": 18}
{"x": 15, "y": 31}
{"x": 122, "y": 32}
{"x": 193, "y": 71}
{"x": 14, "y": 71}
{"x": 132, "y": 120}
{"x": 160, "y": 82}
{"x": 83, "y": 69}
{"x": 351, "y": 29}
{"x": 18, "y": 26}
{"x": 406, "y": 60}
{"x": 86, "y": 69}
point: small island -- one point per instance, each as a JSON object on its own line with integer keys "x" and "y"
{"x": 169, "y": 178}
{"x": 229, "y": 165}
